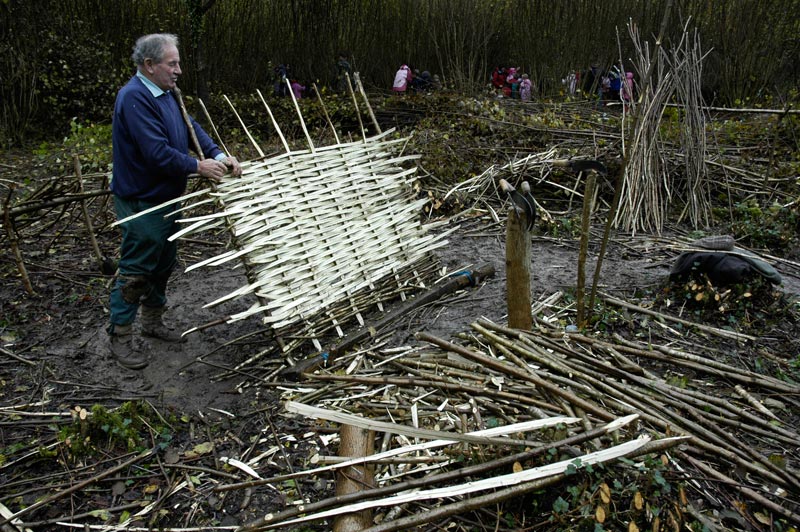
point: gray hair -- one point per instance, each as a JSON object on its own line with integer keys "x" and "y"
{"x": 152, "y": 46}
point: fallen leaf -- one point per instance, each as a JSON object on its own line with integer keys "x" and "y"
{"x": 203, "y": 448}
{"x": 763, "y": 518}
{"x": 605, "y": 493}
{"x": 657, "y": 524}
{"x": 599, "y": 514}
{"x": 105, "y": 515}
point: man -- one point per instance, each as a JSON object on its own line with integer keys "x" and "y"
{"x": 152, "y": 164}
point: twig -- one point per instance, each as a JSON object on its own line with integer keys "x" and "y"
{"x": 14, "y": 242}
{"x": 80, "y": 485}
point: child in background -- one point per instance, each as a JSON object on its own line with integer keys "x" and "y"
{"x": 627, "y": 90}
{"x": 513, "y": 82}
{"x": 297, "y": 89}
{"x": 525, "y": 88}
{"x": 402, "y": 79}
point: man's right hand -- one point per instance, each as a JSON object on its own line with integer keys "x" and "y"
{"x": 211, "y": 169}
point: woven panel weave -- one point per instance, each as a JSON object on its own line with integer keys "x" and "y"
{"x": 320, "y": 231}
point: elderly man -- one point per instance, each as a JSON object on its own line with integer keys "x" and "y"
{"x": 150, "y": 138}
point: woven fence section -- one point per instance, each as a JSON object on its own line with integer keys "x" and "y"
{"x": 321, "y": 232}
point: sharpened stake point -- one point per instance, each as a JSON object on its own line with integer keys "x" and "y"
{"x": 523, "y": 201}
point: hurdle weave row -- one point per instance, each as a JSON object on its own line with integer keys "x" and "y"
{"x": 320, "y": 233}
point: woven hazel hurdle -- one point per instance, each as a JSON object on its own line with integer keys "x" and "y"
{"x": 316, "y": 229}
{"x": 324, "y": 234}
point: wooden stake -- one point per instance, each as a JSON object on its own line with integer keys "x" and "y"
{"x": 97, "y": 253}
{"x": 244, "y": 127}
{"x": 355, "y": 105}
{"x": 300, "y": 116}
{"x": 275, "y": 122}
{"x": 586, "y": 215}
{"x": 357, "y": 79}
{"x": 14, "y": 242}
{"x": 355, "y": 442}
{"x": 213, "y": 127}
{"x": 518, "y": 271}
{"x": 188, "y": 121}
{"x": 325, "y": 111}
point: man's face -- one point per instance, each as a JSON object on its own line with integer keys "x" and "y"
{"x": 165, "y": 74}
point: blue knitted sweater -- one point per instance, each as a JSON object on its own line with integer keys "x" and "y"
{"x": 151, "y": 145}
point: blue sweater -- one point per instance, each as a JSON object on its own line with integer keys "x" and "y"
{"x": 151, "y": 145}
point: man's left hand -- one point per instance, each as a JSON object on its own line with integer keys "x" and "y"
{"x": 233, "y": 165}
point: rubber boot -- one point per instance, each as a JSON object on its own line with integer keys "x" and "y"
{"x": 153, "y": 325}
{"x": 124, "y": 349}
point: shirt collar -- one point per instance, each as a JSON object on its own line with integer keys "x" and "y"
{"x": 154, "y": 89}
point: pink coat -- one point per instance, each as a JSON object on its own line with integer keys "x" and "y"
{"x": 298, "y": 89}
{"x": 402, "y": 79}
{"x": 627, "y": 87}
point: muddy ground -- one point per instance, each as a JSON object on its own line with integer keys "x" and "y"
{"x": 59, "y": 332}
{"x": 69, "y": 334}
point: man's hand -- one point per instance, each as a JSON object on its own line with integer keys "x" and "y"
{"x": 212, "y": 169}
{"x": 233, "y": 165}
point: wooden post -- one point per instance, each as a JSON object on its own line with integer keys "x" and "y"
{"x": 366, "y": 101}
{"x": 86, "y": 218}
{"x": 13, "y": 241}
{"x": 355, "y": 105}
{"x": 325, "y": 112}
{"x": 586, "y": 215}
{"x": 518, "y": 271}
{"x": 354, "y": 442}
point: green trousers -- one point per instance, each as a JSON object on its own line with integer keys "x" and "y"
{"x": 146, "y": 261}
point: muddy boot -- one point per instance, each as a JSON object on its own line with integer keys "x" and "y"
{"x": 153, "y": 325}
{"x": 124, "y": 349}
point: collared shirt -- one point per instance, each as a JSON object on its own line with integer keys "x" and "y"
{"x": 154, "y": 89}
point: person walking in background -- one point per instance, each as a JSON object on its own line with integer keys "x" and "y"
{"x": 402, "y": 79}
{"x": 280, "y": 87}
{"x": 150, "y": 145}
{"x": 525, "y": 88}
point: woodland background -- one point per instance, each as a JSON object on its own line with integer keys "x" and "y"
{"x": 61, "y": 59}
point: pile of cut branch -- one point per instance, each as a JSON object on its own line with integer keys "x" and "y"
{"x": 737, "y": 451}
